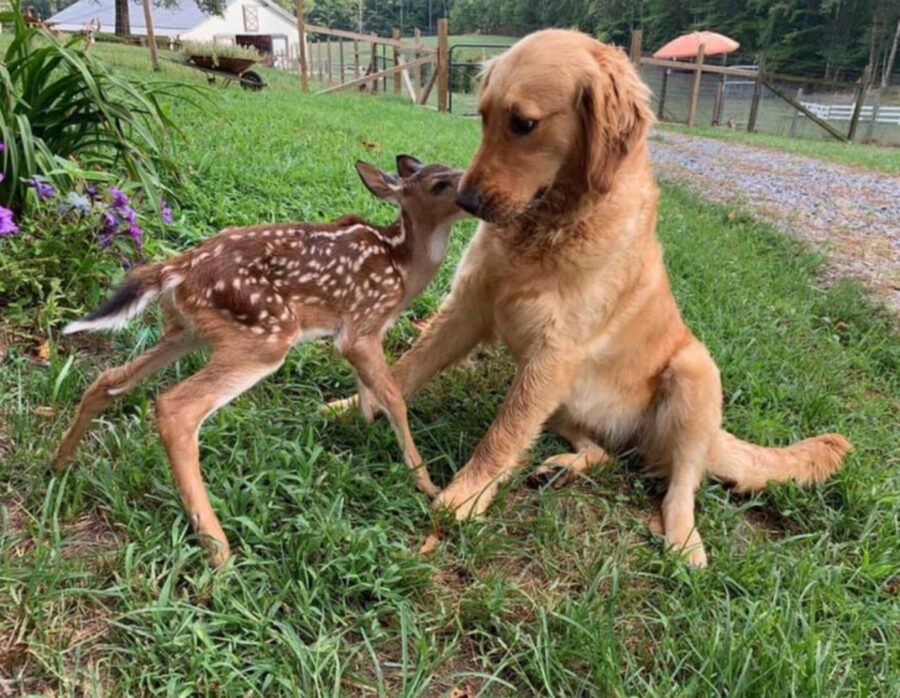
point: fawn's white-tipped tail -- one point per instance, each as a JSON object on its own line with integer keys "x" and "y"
{"x": 128, "y": 300}
{"x": 113, "y": 321}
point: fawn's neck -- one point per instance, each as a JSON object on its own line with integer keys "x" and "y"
{"x": 418, "y": 252}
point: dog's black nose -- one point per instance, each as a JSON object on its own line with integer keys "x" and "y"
{"x": 469, "y": 200}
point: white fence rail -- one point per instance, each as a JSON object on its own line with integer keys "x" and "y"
{"x": 844, "y": 112}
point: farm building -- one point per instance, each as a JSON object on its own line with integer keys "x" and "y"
{"x": 260, "y": 24}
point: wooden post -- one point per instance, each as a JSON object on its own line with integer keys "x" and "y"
{"x": 719, "y": 105}
{"x": 328, "y": 63}
{"x": 757, "y": 93}
{"x": 301, "y": 37}
{"x": 662, "y": 94}
{"x": 319, "y": 59}
{"x": 151, "y": 38}
{"x": 635, "y": 53}
{"x": 870, "y": 129}
{"x": 443, "y": 64}
{"x": 356, "y": 57}
{"x": 373, "y": 68}
{"x": 395, "y": 34}
{"x": 417, "y": 75}
{"x": 792, "y": 131}
{"x": 341, "y": 54}
{"x": 695, "y": 90}
{"x": 860, "y": 99}
{"x": 384, "y": 65}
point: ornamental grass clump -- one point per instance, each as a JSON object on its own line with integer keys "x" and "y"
{"x": 66, "y": 117}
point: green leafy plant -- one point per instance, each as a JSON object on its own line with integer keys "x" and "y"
{"x": 65, "y": 117}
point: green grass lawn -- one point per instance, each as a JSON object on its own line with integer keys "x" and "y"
{"x": 881, "y": 158}
{"x": 104, "y": 590}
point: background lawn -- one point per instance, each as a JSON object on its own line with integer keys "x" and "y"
{"x": 104, "y": 589}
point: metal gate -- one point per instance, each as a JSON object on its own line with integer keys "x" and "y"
{"x": 465, "y": 77}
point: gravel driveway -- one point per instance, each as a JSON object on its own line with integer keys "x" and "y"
{"x": 850, "y": 214}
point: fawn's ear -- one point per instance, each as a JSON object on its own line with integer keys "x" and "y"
{"x": 407, "y": 165}
{"x": 381, "y": 184}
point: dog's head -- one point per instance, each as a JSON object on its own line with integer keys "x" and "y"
{"x": 559, "y": 110}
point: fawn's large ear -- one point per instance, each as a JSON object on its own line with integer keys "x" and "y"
{"x": 407, "y": 165}
{"x": 381, "y": 184}
{"x": 615, "y": 106}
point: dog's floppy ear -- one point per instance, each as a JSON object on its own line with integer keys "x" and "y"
{"x": 615, "y": 106}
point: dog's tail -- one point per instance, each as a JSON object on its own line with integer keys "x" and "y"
{"x": 129, "y": 299}
{"x": 750, "y": 467}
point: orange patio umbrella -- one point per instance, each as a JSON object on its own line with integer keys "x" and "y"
{"x": 688, "y": 45}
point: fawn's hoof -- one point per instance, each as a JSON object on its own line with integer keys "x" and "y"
{"x": 335, "y": 408}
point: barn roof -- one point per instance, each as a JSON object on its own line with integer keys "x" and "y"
{"x": 167, "y": 21}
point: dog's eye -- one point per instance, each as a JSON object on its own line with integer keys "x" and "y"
{"x": 439, "y": 188}
{"x": 520, "y": 126}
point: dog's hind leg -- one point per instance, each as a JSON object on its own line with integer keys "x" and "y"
{"x": 564, "y": 468}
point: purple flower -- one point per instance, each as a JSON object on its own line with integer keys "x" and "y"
{"x": 119, "y": 198}
{"x": 43, "y": 190}
{"x": 92, "y": 192}
{"x": 2, "y": 176}
{"x": 2, "y": 146}
{"x": 7, "y": 225}
{"x": 135, "y": 233}
{"x": 165, "y": 211}
{"x": 75, "y": 202}
{"x": 110, "y": 224}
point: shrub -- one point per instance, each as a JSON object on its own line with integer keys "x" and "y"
{"x": 65, "y": 252}
{"x": 64, "y": 117}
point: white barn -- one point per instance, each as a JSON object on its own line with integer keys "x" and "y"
{"x": 262, "y": 24}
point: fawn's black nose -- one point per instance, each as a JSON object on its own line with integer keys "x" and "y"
{"x": 469, "y": 200}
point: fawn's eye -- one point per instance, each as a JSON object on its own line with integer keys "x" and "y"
{"x": 439, "y": 187}
{"x": 521, "y": 126}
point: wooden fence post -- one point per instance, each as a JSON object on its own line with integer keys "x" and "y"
{"x": 792, "y": 131}
{"x": 151, "y": 38}
{"x": 341, "y": 54}
{"x": 417, "y": 74}
{"x": 328, "y": 60}
{"x": 635, "y": 53}
{"x": 859, "y": 99}
{"x": 356, "y": 57}
{"x": 443, "y": 65}
{"x": 373, "y": 68}
{"x": 870, "y": 129}
{"x": 319, "y": 59}
{"x": 695, "y": 90}
{"x": 301, "y": 37}
{"x": 757, "y": 93}
{"x": 395, "y": 35}
{"x": 662, "y": 94}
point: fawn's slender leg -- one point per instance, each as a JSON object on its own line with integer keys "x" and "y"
{"x": 367, "y": 357}
{"x": 182, "y": 409}
{"x": 460, "y": 324}
{"x": 565, "y": 468}
{"x": 115, "y": 382}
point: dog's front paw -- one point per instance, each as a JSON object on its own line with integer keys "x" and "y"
{"x": 466, "y": 499}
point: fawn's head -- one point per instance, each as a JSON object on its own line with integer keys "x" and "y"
{"x": 426, "y": 193}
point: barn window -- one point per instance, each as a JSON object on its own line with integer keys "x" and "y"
{"x": 251, "y": 18}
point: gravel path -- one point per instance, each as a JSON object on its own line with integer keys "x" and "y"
{"x": 850, "y": 214}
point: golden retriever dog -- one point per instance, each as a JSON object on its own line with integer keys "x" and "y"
{"x": 567, "y": 271}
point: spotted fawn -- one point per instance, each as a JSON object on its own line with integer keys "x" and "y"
{"x": 250, "y": 294}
